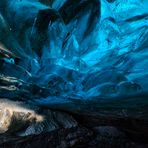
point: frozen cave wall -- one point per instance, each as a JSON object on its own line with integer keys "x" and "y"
{"x": 82, "y": 49}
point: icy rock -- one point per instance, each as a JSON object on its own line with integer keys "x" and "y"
{"x": 24, "y": 119}
{"x": 14, "y": 116}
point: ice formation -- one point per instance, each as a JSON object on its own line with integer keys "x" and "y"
{"x": 80, "y": 49}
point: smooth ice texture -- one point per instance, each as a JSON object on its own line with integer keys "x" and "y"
{"x": 82, "y": 49}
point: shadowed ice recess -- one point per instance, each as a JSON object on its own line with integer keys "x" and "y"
{"x": 77, "y": 52}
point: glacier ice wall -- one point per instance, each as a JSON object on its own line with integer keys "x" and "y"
{"x": 81, "y": 48}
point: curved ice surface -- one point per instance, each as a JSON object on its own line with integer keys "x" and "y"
{"x": 89, "y": 48}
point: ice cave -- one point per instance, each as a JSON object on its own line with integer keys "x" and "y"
{"x": 73, "y": 73}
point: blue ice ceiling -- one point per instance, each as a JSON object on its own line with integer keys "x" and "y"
{"x": 81, "y": 48}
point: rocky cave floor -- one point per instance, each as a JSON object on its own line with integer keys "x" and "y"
{"x": 28, "y": 126}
